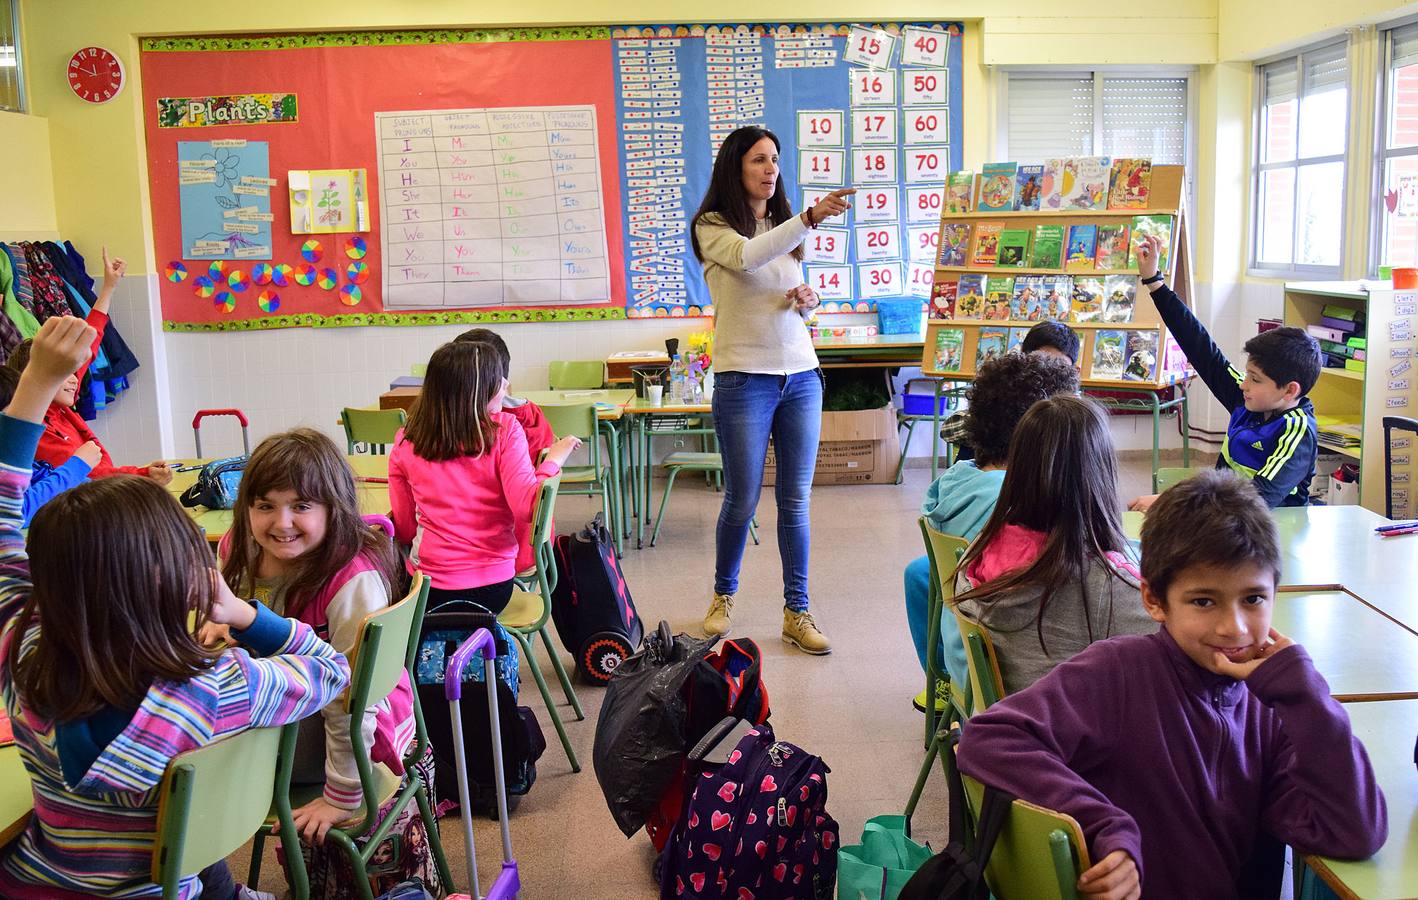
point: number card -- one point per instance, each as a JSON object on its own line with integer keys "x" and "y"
{"x": 927, "y": 125}
{"x": 878, "y": 242}
{"x": 879, "y": 280}
{"x": 874, "y": 126}
{"x": 820, "y": 166}
{"x": 923, "y": 87}
{"x": 923, "y": 47}
{"x": 813, "y": 196}
{"x": 830, "y": 282}
{"x": 826, "y": 245}
{"x": 872, "y": 88}
{"x": 926, "y": 164}
{"x": 877, "y": 204}
{"x": 919, "y": 278}
{"x": 923, "y": 242}
{"x": 820, "y": 128}
{"x": 869, "y": 47}
{"x": 876, "y": 165}
{"x": 923, "y": 204}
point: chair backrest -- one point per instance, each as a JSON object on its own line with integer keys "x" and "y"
{"x": 375, "y": 427}
{"x": 576, "y": 374}
{"x": 575, "y": 420}
{"x": 986, "y": 683}
{"x": 1166, "y": 477}
{"x": 419, "y": 369}
{"x": 1039, "y": 855}
{"x": 212, "y": 800}
{"x": 542, "y": 537}
{"x": 381, "y": 652}
{"x": 943, "y": 552}
{"x": 1392, "y": 423}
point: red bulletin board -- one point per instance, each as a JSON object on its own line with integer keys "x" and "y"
{"x": 339, "y": 89}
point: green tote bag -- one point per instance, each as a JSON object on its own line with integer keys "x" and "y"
{"x": 879, "y": 867}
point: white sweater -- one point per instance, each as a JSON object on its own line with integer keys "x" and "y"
{"x": 756, "y": 328}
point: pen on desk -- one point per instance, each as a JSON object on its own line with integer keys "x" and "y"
{"x": 370, "y": 479}
{"x": 1396, "y": 526}
{"x": 1394, "y": 532}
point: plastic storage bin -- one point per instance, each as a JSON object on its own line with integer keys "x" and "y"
{"x": 899, "y": 316}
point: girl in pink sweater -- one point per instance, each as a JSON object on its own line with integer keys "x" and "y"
{"x": 461, "y": 481}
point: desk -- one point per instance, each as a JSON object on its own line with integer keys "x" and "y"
{"x": 642, "y": 467}
{"x": 869, "y": 351}
{"x": 1362, "y": 654}
{"x": 16, "y": 797}
{"x": 610, "y": 407}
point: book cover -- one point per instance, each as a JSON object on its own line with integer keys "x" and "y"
{"x": 999, "y": 291}
{"x": 943, "y": 293}
{"x": 954, "y": 243}
{"x": 1028, "y": 188}
{"x": 1087, "y": 299}
{"x": 949, "y": 348}
{"x": 1051, "y": 191}
{"x": 1027, "y": 304}
{"x": 960, "y": 192}
{"x": 1159, "y": 227}
{"x": 1335, "y": 311}
{"x": 1013, "y": 247}
{"x": 1082, "y": 243}
{"x": 1141, "y": 353}
{"x": 987, "y": 243}
{"x": 1057, "y": 296}
{"x": 970, "y": 296}
{"x": 993, "y": 344}
{"x": 1016, "y": 340}
{"x": 1112, "y": 250}
{"x": 1108, "y": 349}
{"x": 1085, "y": 182}
{"x": 1119, "y": 295}
{"x": 1048, "y": 247}
{"x": 1344, "y": 325}
{"x": 1130, "y": 183}
{"x": 996, "y": 187}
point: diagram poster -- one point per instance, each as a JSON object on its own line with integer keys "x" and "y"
{"x": 224, "y": 188}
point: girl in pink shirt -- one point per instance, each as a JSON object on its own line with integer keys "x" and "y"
{"x": 461, "y": 483}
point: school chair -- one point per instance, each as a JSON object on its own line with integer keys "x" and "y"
{"x": 528, "y": 610}
{"x": 1039, "y": 853}
{"x": 685, "y": 460}
{"x": 1391, "y": 424}
{"x": 986, "y": 682}
{"x": 211, "y": 799}
{"x": 1167, "y": 477}
{"x": 912, "y": 414}
{"x": 418, "y": 369}
{"x": 373, "y": 427}
{"x": 579, "y": 420}
{"x": 384, "y": 652}
{"x": 576, "y": 374}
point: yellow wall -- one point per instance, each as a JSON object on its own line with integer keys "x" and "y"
{"x": 26, "y": 179}
{"x": 1254, "y": 29}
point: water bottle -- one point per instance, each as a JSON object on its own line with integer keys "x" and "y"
{"x": 677, "y": 378}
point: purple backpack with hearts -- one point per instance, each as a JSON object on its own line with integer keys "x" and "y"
{"x": 755, "y": 828}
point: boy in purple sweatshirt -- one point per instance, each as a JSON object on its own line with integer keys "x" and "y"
{"x": 1190, "y": 757}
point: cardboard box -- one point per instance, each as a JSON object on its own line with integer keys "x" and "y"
{"x": 859, "y": 447}
{"x": 399, "y": 398}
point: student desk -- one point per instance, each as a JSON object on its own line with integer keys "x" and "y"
{"x": 869, "y": 351}
{"x": 610, "y": 408}
{"x": 16, "y": 798}
{"x": 1362, "y": 653}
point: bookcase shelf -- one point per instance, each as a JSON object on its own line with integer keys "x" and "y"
{"x": 1046, "y": 214}
{"x": 1342, "y": 373}
{"x": 1029, "y": 270}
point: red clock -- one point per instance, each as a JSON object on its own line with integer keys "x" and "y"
{"x": 95, "y": 74}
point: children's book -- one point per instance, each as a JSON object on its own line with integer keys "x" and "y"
{"x": 1028, "y": 188}
{"x": 1141, "y": 364}
{"x": 960, "y": 192}
{"x": 1016, "y": 340}
{"x": 1051, "y": 191}
{"x": 1159, "y": 227}
{"x": 996, "y": 187}
{"x": 1082, "y": 242}
{"x": 1130, "y": 183}
{"x": 1048, "y": 247}
{"x": 943, "y": 293}
{"x": 970, "y": 296}
{"x": 1013, "y": 247}
{"x": 1085, "y": 182}
{"x": 949, "y": 348}
{"x": 999, "y": 291}
{"x": 1112, "y": 251}
{"x": 954, "y": 243}
{"x": 1119, "y": 295}
{"x": 1028, "y": 302}
{"x": 1108, "y": 349}
{"x": 987, "y": 243}
{"x": 1057, "y": 296}
{"x": 1087, "y": 299}
{"x": 993, "y": 344}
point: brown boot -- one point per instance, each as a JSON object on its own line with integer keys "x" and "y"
{"x": 800, "y": 629}
{"x": 718, "y": 620}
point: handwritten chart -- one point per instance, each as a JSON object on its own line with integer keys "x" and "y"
{"x": 489, "y": 207}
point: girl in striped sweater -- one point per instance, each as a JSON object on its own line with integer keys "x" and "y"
{"x": 100, "y": 673}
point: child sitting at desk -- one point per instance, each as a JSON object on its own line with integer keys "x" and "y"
{"x": 527, "y": 413}
{"x": 1191, "y": 756}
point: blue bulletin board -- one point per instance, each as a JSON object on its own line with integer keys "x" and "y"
{"x": 873, "y": 106}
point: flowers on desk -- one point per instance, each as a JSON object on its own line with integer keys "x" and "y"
{"x": 698, "y": 356}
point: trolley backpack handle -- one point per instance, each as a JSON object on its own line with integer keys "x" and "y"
{"x": 210, "y": 413}
{"x": 479, "y": 643}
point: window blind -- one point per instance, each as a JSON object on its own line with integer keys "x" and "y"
{"x": 1327, "y": 69}
{"x": 1145, "y": 117}
{"x": 1049, "y": 117}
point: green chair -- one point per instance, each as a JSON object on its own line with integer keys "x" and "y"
{"x": 576, "y": 374}
{"x": 986, "y": 683}
{"x": 1039, "y": 854}
{"x": 911, "y": 420}
{"x": 1168, "y": 477}
{"x": 418, "y": 369}
{"x": 211, "y": 799}
{"x": 527, "y": 613}
{"x": 579, "y": 420}
{"x": 386, "y": 650}
{"x": 373, "y": 427}
{"x": 688, "y": 461}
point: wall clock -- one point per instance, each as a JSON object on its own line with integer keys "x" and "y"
{"x": 95, "y": 74}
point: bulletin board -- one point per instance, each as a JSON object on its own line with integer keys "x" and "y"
{"x": 432, "y": 177}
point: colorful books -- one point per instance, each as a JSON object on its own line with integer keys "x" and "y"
{"x": 992, "y": 345}
{"x": 1016, "y": 340}
{"x": 1027, "y": 305}
{"x": 1085, "y": 182}
{"x": 1345, "y": 325}
{"x": 954, "y": 243}
{"x": 1112, "y": 250}
{"x": 1141, "y": 356}
{"x": 970, "y": 296}
{"x": 1082, "y": 242}
{"x": 1051, "y": 192}
{"x": 1057, "y": 296}
{"x": 1326, "y": 334}
{"x": 942, "y": 305}
{"x": 1335, "y": 311}
{"x": 960, "y": 192}
{"x": 996, "y": 187}
{"x": 1028, "y": 188}
{"x": 999, "y": 291}
{"x": 1119, "y": 295}
{"x": 1088, "y": 294}
{"x": 1159, "y": 227}
{"x": 1108, "y": 359}
{"x": 1130, "y": 183}
{"x": 949, "y": 349}
{"x": 1013, "y": 247}
{"x": 1048, "y": 247}
{"x": 987, "y": 243}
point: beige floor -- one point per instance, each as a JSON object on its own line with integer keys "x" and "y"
{"x": 852, "y": 708}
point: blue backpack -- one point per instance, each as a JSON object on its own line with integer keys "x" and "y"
{"x": 216, "y": 484}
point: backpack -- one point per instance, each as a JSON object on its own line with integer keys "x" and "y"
{"x": 591, "y": 606}
{"x": 755, "y": 827}
{"x": 216, "y": 484}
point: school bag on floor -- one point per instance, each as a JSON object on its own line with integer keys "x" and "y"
{"x": 591, "y": 606}
{"x": 216, "y": 484}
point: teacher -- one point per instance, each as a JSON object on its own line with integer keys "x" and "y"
{"x": 766, "y": 381}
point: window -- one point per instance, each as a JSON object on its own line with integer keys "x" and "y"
{"x": 12, "y": 95}
{"x": 1088, "y": 113}
{"x": 1302, "y": 128}
{"x": 1398, "y": 152}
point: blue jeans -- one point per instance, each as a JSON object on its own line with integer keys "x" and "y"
{"x": 748, "y": 409}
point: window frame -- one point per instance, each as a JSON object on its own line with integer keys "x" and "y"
{"x": 22, "y": 99}
{"x": 1379, "y": 243}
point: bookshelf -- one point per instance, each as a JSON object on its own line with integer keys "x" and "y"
{"x": 1166, "y": 198}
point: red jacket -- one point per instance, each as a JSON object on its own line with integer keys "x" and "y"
{"x": 534, "y": 424}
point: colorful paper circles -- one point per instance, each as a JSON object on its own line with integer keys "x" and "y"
{"x": 311, "y": 251}
{"x": 280, "y": 275}
{"x": 261, "y": 273}
{"x": 269, "y": 301}
{"x": 328, "y": 278}
{"x": 203, "y": 286}
{"x": 224, "y": 301}
{"x": 355, "y": 247}
{"x": 238, "y": 281}
{"x": 175, "y": 272}
{"x": 350, "y": 295}
{"x": 305, "y": 275}
{"x": 357, "y": 272}
{"x": 217, "y": 270}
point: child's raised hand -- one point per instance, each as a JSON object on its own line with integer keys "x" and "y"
{"x": 1274, "y": 643}
{"x": 561, "y": 451}
{"x": 227, "y": 608}
{"x": 1114, "y": 877}
{"x": 62, "y": 345}
{"x": 113, "y": 270}
{"x": 1148, "y": 251}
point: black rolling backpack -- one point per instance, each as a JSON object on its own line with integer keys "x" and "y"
{"x": 591, "y": 606}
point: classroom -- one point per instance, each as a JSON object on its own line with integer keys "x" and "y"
{"x": 412, "y": 411}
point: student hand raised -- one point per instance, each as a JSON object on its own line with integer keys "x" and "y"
{"x": 160, "y": 472}
{"x": 1274, "y": 643}
{"x": 1114, "y": 877}
{"x": 315, "y": 819}
{"x": 227, "y": 608}
{"x": 90, "y": 452}
{"x": 1149, "y": 249}
{"x": 62, "y": 345}
{"x": 113, "y": 270}
{"x": 834, "y": 204}
{"x": 561, "y": 451}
